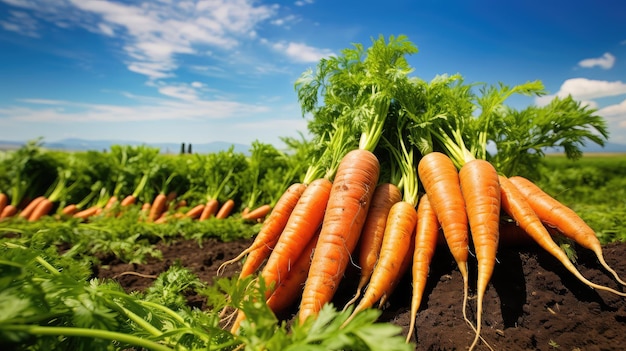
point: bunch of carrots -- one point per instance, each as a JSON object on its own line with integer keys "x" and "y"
{"x": 384, "y": 206}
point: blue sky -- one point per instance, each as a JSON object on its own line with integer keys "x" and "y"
{"x": 223, "y": 70}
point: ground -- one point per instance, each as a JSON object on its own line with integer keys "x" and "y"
{"x": 532, "y": 303}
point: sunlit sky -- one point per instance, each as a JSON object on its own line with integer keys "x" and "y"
{"x": 224, "y": 70}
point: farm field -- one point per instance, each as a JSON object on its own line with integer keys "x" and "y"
{"x": 393, "y": 222}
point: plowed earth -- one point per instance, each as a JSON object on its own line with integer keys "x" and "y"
{"x": 532, "y": 302}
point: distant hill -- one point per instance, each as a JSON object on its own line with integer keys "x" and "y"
{"x": 74, "y": 144}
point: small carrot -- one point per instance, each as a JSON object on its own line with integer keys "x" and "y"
{"x": 396, "y": 247}
{"x": 225, "y": 209}
{"x": 86, "y": 213}
{"x": 426, "y": 234}
{"x": 69, "y": 209}
{"x": 440, "y": 179}
{"x": 128, "y": 200}
{"x": 210, "y": 209}
{"x": 350, "y": 197}
{"x": 43, "y": 208}
{"x": 268, "y": 235}
{"x": 28, "y": 210}
{"x": 385, "y": 195}
{"x": 245, "y": 211}
{"x": 258, "y": 213}
{"x": 195, "y": 212}
{"x": 158, "y": 207}
{"x": 516, "y": 205}
{"x": 556, "y": 215}
{"x": 302, "y": 225}
{"x": 4, "y": 201}
{"x": 111, "y": 202}
{"x": 481, "y": 191}
{"x": 8, "y": 211}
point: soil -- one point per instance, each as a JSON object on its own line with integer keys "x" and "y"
{"x": 532, "y": 302}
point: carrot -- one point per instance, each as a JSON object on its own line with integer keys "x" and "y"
{"x": 556, "y": 215}
{"x": 70, "y": 209}
{"x": 385, "y": 195}
{"x": 86, "y": 213}
{"x": 516, "y": 205}
{"x": 128, "y": 200}
{"x": 8, "y": 211}
{"x": 440, "y": 179}
{"x": 4, "y": 200}
{"x": 111, "y": 202}
{"x": 225, "y": 209}
{"x": 43, "y": 208}
{"x": 28, "y": 210}
{"x": 397, "y": 240}
{"x": 210, "y": 209}
{"x": 268, "y": 235}
{"x": 481, "y": 191}
{"x": 245, "y": 211}
{"x": 195, "y": 212}
{"x": 158, "y": 207}
{"x": 348, "y": 203}
{"x": 302, "y": 225}
{"x": 426, "y": 234}
{"x": 258, "y": 213}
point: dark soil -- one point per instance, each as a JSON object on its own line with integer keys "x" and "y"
{"x": 532, "y": 303}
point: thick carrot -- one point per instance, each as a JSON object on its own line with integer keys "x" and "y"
{"x": 258, "y": 213}
{"x": 43, "y": 208}
{"x": 350, "y": 197}
{"x": 268, "y": 235}
{"x": 8, "y": 211}
{"x": 481, "y": 191}
{"x": 304, "y": 222}
{"x": 210, "y": 209}
{"x": 556, "y": 215}
{"x": 516, "y": 205}
{"x": 28, "y": 210}
{"x": 158, "y": 207}
{"x": 225, "y": 209}
{"x": 397, "y": 239}
{"x": 385, "y": 195}
{"x": 426, "y": 234}
{"x": 440, "y": 179}
{"x": 4, "y": 201}
{"x": 195, "y": 212}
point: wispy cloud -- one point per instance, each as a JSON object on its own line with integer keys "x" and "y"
{"x": 301, "y": 52}
{"x": 22, "y": 23}
{"x": 606, "y": 61}
{"x": 304, "y": 2}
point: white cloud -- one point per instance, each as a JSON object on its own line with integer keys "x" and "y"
{"x": 617, "y": 110}
{"x": 606, "y": 61}
{"x": 586, "y": 89}
{"x": 304, "y": 2}
{"x": 301, "y": 52}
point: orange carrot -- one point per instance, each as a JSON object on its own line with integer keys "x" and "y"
{"x": 556, "y": 215}
{"x": 426, "y": 234}
{"x": 302, "y": 225}
{"x": 245, "y": 211}
{"x": 385, "y": 195}
{"x": 440, "y": 179}
{"x": 258, "y": 213}
{"x": 111, "y": 202}
{"x": 4, "y": 201}
{"x": 210, "y": 209}
{"x": 397, "y": 239}
{"x": 128, "y": 200}
{"x": 226, "y": 209}
{"x": 86, "y": 213}
{"x": 350, "y": 197}
{"x": 8, "y": 211}
{"x": 28, "y": 210}
{"x": 69, "y": 209}
{"x": 43, "y": 208}
{"x": 481, "y": 191}
{"x": 158, "y": 207}
{"x": 516, "y": 205}
{"x": 195, "y": 212}
{"x": 268, "y": 235}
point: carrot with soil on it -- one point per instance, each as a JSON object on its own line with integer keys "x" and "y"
{"x": 426, "y": 234}
{"x": 518, "y": 206}
{"x": 348, "y": 203}
{"x": 481, "y": 191}
{"x": 556, "y": 215}
{"x": 269, "y": 233}
{"x": 368, "y": 247}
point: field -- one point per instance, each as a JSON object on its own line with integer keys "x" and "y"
{"x": 532, "y": 303}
